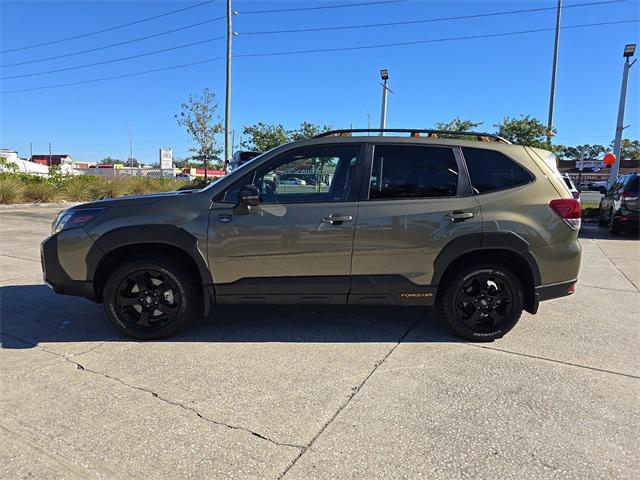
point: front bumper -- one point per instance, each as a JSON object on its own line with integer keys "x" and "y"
{"x": 55, "y": 276}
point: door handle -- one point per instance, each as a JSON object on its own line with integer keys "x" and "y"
{"x": 453, "y": 216}
{"x": 337, "y": 219}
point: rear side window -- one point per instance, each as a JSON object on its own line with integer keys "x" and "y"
{"x": 402, "y": 171}
{"x": 490, "y": 170}
{"x": 632, "y": 186}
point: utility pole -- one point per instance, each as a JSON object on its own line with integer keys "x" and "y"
{"x": 227, "y": 100}
{"x": 368, "y": 121}
{"x": 629, "y": 50}
{"x": 49, "y": 153}
{"x": 384, "y": 74}
{"x": 31, "y": 151}
{"x": 130, "y": 148}
{"x": 554, "y": 70}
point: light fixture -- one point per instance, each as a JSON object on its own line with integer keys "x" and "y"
{"x": 629, "y": 50}
{"x": 384, "y": 73}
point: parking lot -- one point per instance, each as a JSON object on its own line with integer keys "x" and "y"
{"x": 319, "y": 392}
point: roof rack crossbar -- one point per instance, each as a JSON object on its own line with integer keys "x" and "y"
{"x": 481, "y": 136}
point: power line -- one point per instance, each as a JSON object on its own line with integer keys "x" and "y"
{"x": 427, "y": 20}
{"x": 118, "y": 44}
{"x": 323, "y": 50}
{"x": 126, "y": 75}
{"x": 104, "y": 62}
{"x": 434, "y": 40}
{"x": 299, "y": 9}
{"x": 108, "y": 29}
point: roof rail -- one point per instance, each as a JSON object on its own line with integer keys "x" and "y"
{"x": 416, "y": 133}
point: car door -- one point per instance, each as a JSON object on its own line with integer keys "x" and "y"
{"x": 417, "y": 201}
{"x": 296, "y": 245}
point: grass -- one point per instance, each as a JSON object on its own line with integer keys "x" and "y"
{"x": 23, "y": 188}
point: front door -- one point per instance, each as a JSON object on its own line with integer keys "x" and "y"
{"x": 297, "y": 244}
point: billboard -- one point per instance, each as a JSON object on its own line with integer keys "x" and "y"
{"x": 166, "y": 159}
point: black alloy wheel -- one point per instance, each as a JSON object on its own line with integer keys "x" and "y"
{"x": 148, "y": 299}
{"x": 484, "y": 302}
{"x": 481, "y": 302}
{"x": 151, "y": 298}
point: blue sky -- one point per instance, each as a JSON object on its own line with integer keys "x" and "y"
{"x": 480, "y": 79}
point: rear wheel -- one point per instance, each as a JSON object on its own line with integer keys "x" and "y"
{"x": 482, "y": 302}
{"x": 150, "y": 298}
{"x": 614, "y": 226}
{"x": 602, "y": 221}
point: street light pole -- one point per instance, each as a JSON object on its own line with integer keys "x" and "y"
{"x": 384, "y": 74}
{"x": 629, "y": 50}
{"x": 554, "y": 70}
{"x": 227, "y": 100}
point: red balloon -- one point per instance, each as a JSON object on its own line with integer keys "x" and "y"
{"x": 609, "y": 159}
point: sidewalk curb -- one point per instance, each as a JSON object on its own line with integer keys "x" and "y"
{"x": 38, "y": 205}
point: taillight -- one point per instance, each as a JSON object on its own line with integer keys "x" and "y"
{"x": 569, "y": 210}
{"x": 629, "y": 196}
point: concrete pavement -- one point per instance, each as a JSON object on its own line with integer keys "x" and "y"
{"x": 319, "y": 392}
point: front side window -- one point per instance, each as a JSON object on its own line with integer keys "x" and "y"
{"x": 490, "y": 170}
{"x": 406, "y": 171}
{"x": 313, "y": 174}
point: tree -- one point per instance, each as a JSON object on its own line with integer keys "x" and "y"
{"x": 198, "y": 116}
{"x": 458, "y": 125}
{"x": 110, "y": 161}
{"x": 526, "y": 130}
{"x": 581, "y": 152}
{"x": 263, "y": 137}
{"x": 629, "y": 150}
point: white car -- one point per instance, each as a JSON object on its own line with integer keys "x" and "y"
{"x": 571, "y": 186}
{"x": 292, "y": 181}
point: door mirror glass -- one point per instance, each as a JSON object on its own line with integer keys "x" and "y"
{"x": 249, "y": 196}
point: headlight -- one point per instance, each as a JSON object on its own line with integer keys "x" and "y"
{"x": 75, "y": 218}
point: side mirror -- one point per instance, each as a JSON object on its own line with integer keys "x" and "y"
{"x": 249, "y": 196}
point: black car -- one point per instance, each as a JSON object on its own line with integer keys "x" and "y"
{"x": 619, "y": 206}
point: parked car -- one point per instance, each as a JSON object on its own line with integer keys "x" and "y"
{"x": 619, "y": 207}
{"x": 292, "y": 181}
{"x": 570, "y": 185}
{"x": 600, "y": 186}
{"x": 481, "y": 229}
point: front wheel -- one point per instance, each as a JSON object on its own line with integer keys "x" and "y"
{"x": 150, "y": 298}
{"x": 482, "y": 302}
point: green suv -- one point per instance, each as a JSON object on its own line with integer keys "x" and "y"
{"x": 463, "y": 220}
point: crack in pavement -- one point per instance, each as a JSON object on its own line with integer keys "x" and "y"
{"x": 19, "y": 258}
{"x": 546, "y": 359}
{"x": 606, "y": 288}
{"x": 81, "y": 367}
{"x": 354, "y": 392}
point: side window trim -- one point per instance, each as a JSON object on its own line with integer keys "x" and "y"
{"x": 370, "y": 155}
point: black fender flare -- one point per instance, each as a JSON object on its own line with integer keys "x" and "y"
{"x": 471, "y": 242}
{"x": 140, "y": 234}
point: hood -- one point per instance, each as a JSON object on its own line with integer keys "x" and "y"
{"x": 134, "y": 200}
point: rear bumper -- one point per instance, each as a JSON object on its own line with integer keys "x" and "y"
{"x": 555, "y": 290}
{"x": 55, "y": 276}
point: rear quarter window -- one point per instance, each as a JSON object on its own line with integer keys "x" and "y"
{"x": 490, "y": 170}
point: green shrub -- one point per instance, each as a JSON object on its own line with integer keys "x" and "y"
{"x": 41, "y": 192}
{"x": 77, "y": 189}
{"x": 10, "y": 189}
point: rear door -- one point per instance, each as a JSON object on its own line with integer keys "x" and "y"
{"x": 417, "y": 200}
{"x": 297, "y": 244}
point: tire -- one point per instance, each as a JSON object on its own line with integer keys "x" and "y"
{"x": 601, "y": 221}
{"x": 150, "y": 298}
{"x": 614, "y": 227}
{"x": 470, "y": 303}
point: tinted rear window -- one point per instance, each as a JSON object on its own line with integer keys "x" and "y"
{"x": 633, "y": 185}
{"x": 490, "y": 170}
{"x": 401, "y": 171}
